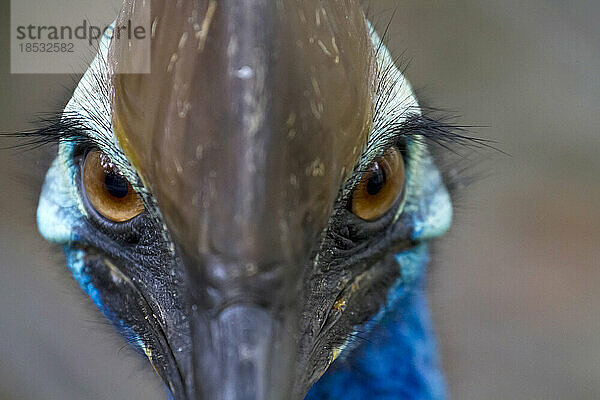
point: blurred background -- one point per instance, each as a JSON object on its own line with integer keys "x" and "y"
{"x": 515, "y": 289}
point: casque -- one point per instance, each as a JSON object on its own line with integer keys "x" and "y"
{"x": 253, "y": 215}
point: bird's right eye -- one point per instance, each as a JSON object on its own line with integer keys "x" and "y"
{"x": 380, "y": 186}
{"x": 107, "y": 190}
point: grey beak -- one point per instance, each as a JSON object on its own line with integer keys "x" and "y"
{"x": 244, "y": 132}
{"x": 243, "y": 352}
{"x": 243, "y": 325}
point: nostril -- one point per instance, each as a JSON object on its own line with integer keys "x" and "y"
{"x": 215, "y": 282}
{"x": 244, "y": 321}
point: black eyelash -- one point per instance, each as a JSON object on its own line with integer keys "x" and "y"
{"x": 70, "y": 125}
{"x": 53, "y": 128}
{"x": 437, "y": 130}
{"x": 421, "y": 123}
{"x": 418, "y": 123}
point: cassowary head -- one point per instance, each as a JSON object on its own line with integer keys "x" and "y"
{"x": 258, "y": 205}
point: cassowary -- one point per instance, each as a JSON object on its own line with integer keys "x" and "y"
{"x": 253, "y": 214}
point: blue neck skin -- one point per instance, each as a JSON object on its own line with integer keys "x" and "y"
{"x": 398, "y": 359}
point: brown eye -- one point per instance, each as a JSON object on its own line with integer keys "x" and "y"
{"x": 380, "y": 186}
{"x": 107, "y": 189}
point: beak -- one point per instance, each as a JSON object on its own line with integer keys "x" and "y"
{"x": 243, "y": 348}
{"x": 241, "y": 353}
{"x": 252, "y": 117}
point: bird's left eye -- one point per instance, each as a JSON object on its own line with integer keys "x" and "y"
{"x": 380, "y": 186}
{"x": 108, "y": 191}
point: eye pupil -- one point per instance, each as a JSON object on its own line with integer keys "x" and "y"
{"x": 108, "y": 192}
{"x": 377, "y": 180}
{"x": 116, "y": 185}
{"x": 379, "y": 187}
